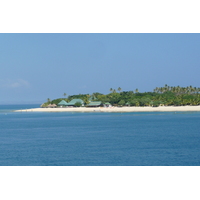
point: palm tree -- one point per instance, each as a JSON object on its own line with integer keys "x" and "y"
{"x": 165, "y": 88}
{"x": 190, "y": 88}
{"x": 178, "y": 89}
{"x": 64, "y": 94}
{"x": 174, "y": 89}
{"x": 119, "y": 89}
{"x": 156, "y": 89}
{"x": 49, "y": 100}
{"x": 162, "y": 89}
{"x": 111, "y": 90}
{"x": 136, "y": 90}
{"x": 198, "y": 90}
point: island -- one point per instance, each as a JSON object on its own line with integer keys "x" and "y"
{"x": 167, "y": 98}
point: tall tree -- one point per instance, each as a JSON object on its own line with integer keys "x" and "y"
{"x": 49, "y": 100}
{"x": 119, "y": 89}
{"x": 136, "y": 90}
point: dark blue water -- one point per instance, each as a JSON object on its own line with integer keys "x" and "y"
{"x": 98, "y": 139}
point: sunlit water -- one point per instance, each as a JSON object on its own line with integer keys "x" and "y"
{"x": 98, "y": 139}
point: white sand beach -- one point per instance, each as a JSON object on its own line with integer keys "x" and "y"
{"x": 116, "y": 109}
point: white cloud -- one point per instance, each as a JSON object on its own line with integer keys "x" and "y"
{"x": 12, "y": 84}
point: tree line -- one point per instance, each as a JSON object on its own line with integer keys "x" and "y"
{"x": 167, "y": 95}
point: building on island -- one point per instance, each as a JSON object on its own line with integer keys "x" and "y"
{"x": 94, "y": 104}
{"x": 62, "y": 103}
{"x": 81, "y": 103}
{"x": 74, "y": 101}
{"x": 107, "y": 105}
{"x": 99, "y": 103}
{"x": 71, "y": 103}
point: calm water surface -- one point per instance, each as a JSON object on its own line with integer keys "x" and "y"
{"x": 98, "y": 139}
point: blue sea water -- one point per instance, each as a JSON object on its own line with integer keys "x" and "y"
{"x": 98, "y": 139}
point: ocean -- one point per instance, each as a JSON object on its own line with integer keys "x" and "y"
{"x": 98, "y": 139}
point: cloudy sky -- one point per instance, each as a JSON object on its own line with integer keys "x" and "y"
{"x": 35, "y": 67}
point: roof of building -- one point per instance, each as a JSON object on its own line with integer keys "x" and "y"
{"x": 62, "y": 103}
{"x": 94, "y": 103}
{"x": 72, "y": 102}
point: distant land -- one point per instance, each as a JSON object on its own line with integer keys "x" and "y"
{"x": 167, "y": 98}
{"x": 161, "y": 96}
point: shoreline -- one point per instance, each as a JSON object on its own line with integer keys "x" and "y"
{"x": 116, "y": 109}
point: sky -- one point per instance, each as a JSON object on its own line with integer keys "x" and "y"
{"x": 38, "y": 66}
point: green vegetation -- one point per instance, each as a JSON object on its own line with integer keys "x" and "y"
{"x": 167, "y": 95}
{"x": 78, "y": 104}
{"x": 64, "y": 94}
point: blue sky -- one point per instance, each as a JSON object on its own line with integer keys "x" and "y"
{"x": 35, "y": 67}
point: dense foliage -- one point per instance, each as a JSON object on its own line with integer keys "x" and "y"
{"x": 167, "y": 95}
